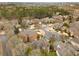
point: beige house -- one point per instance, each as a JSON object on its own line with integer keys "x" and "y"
{"x": 28, "y": 35}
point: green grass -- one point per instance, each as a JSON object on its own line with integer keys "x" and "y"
{"x": 52, "y": 53}
{"x": 37, "y": 12}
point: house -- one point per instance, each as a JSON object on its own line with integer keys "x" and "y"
{"x": 41, "y": 44}
{"x": 3, "y": 41}
{"x": 28, "y": 35}
{"x": 75, "y": 42}
{"x": 63, "y": 49}
{"x": 1, "y": 48}
{"x": 74, "y": 29}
